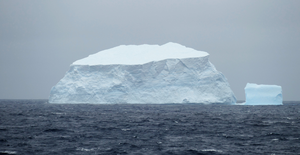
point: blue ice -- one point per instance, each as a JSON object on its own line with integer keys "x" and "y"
{"x": 263, "y": 94}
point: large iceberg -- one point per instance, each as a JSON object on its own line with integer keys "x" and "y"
{"x": 170, "y": 73}
{"x": 263, "y": 94}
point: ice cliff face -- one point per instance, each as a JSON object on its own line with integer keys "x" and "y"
{"x": 170, "y": 73}
{"x": 263, "y": 94}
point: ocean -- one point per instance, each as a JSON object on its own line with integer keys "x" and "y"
{"x": 37, "y": 127}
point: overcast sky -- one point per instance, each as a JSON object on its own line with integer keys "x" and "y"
{"x": 256, "y": 41}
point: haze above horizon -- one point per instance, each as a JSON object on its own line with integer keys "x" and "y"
{"x": 250, "y": 41}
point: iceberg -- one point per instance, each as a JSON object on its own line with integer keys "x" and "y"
{"x": 170, "y": 73}
{"x": 263, "y": 94}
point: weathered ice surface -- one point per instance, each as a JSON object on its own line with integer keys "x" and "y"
{"x": 170, "y": 73}
{"x": 263, "y": 94}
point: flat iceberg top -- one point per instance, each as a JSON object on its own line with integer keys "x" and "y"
{"x": 262, "y": 86}
{"x": 139, "y": 54}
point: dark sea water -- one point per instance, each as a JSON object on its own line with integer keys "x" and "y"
{"x": 37, "y": 127}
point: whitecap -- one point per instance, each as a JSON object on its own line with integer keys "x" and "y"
{"x": 8, "y": 152}
{"x": 125, "y": 129}
{"x": 211, "y": 150}
{"x": 83, "y": 149}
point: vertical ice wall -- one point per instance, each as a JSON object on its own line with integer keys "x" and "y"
{"x": 263, "y": 94}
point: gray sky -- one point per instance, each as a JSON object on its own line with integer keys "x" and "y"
{"x": 249, "y": 41}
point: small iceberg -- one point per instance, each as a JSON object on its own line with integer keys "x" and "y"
{"x": 263, "y": 94}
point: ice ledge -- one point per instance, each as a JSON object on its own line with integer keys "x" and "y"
{"x": 258, "y": 103}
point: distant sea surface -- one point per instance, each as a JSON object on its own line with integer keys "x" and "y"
{"x": 37, "y": 127}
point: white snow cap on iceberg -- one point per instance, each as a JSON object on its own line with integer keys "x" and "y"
{"x": 140, "y": 54}
{"x": 263, "y": 94}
